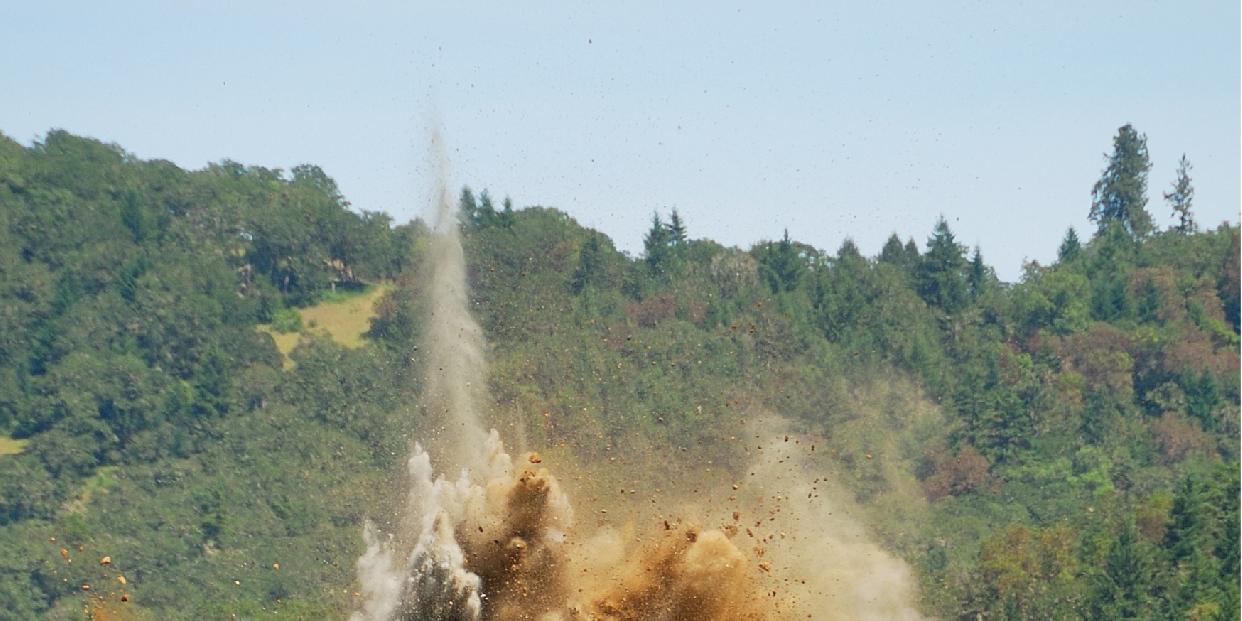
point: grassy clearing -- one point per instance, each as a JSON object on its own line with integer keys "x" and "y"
{"x": 344, "y": 316}
{"x": 11, "y": 446}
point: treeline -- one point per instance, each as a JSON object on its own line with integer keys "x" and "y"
{"x": 1061, "y": 447}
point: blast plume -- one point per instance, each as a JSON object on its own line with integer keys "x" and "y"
{"x": 500, "y": 542}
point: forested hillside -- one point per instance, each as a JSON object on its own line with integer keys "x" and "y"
{"x": 1062, "y": 447}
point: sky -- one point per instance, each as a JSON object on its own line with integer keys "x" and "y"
{"x": 829, "y": 119}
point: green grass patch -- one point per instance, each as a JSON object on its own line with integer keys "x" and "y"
{"x": 343, "y": 315}
{"x": 12, "y": 446}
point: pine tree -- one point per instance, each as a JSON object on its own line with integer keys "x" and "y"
{"x": 912, "y": 252}
{"x": 903, "y": 256}
{"x": 1122, "y": 589}
{"x": 467, "y": 207}
{"x": 485, "y": 215}
{"x": 848, "y": 251}
{"x": 780, "y": 265}
{"x": 979, "y": 276}
{"x": 1121, "y": 193}
{"x": 676, "y": 228}
{"x": 1181, "y": 196}
{"x": 1070, "y": 248}
{"x": 656, "y": 244}
{"x": 590, "y": 268}
{"x": 893, "y": 252}
{"x": 941, "y": 274}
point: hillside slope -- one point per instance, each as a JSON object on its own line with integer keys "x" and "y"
{"x": 1063, "y": 447}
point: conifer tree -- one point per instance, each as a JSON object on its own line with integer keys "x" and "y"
{"x": 912, "y": 252}
{"x": 1181, "y": 196}
{"x": 979, "y": 275}
{"x": 467, "y": 206}
{"x": 781, "y": 266}
{"x": 486, "y": 215}
{"x": 656, "y": 243}
{"x": 893, "y": 252}
{"x": 676, "y": 228}
{"x": 1120, "y": 196}
{"x": 590, "y": 265}
{"x": 1070, "y": 248}
{"x": 941, "y": 274}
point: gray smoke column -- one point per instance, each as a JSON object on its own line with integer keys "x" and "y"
{"x": 419, "y": 572}
{"x": 455, "y": 371}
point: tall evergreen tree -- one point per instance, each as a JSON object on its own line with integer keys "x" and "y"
{"x": 848, "y": 251}
{"x": 912, "y": 253}
{"x": 486, "y": 215}
{"x": 979, "y": 275}
{"x": 1181, "y": 196}
{"x": 590, "y": 268}
{"x": 941, "y": 274}
{"x": 893, "y": 252}
{"x": 780, "y": 265}
{"x": 467, "y": 206}
{"x": 1070, "y": 248}
{"x": 656, "y": 244}
{"x": 676, "y": 228}
{"x": 1120, "y": 196}
{"x": 903, "y": 256}
{"x": 1122, "y": 589}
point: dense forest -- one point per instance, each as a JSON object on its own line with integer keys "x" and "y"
{"x": 1062, "y": 447}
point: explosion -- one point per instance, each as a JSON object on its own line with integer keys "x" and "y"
{"x": 500, "y": 542}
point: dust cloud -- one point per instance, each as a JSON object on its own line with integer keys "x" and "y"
{"x": 500, "y": 540}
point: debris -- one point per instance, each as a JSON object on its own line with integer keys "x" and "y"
{"x": 107, "y": 560}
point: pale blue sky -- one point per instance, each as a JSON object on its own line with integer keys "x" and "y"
{"x": 832, "y": 119}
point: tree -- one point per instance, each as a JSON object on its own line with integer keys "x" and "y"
{"x": 980, "y": 276}
{"x": 780, "y": 265}
{"x": 486, "y": 215}
{"x": 1202, "y": 541}
{"x": 590, "y": 268}
{"x": 1122, "y": 588}
{"x": 941, "y": 274}
{"x": 656, "y": 243}
{"x": 912, "y": 252}
{"x": 893, "y": 252}
{"x": 676, "y": 228}
{"x": 1120, "y": 196}
{"x": 506, "y": 214}
{"x": 1181, "y": 196}
{"x": 1070, "y": 248}
{"x": 467, "y": 206}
